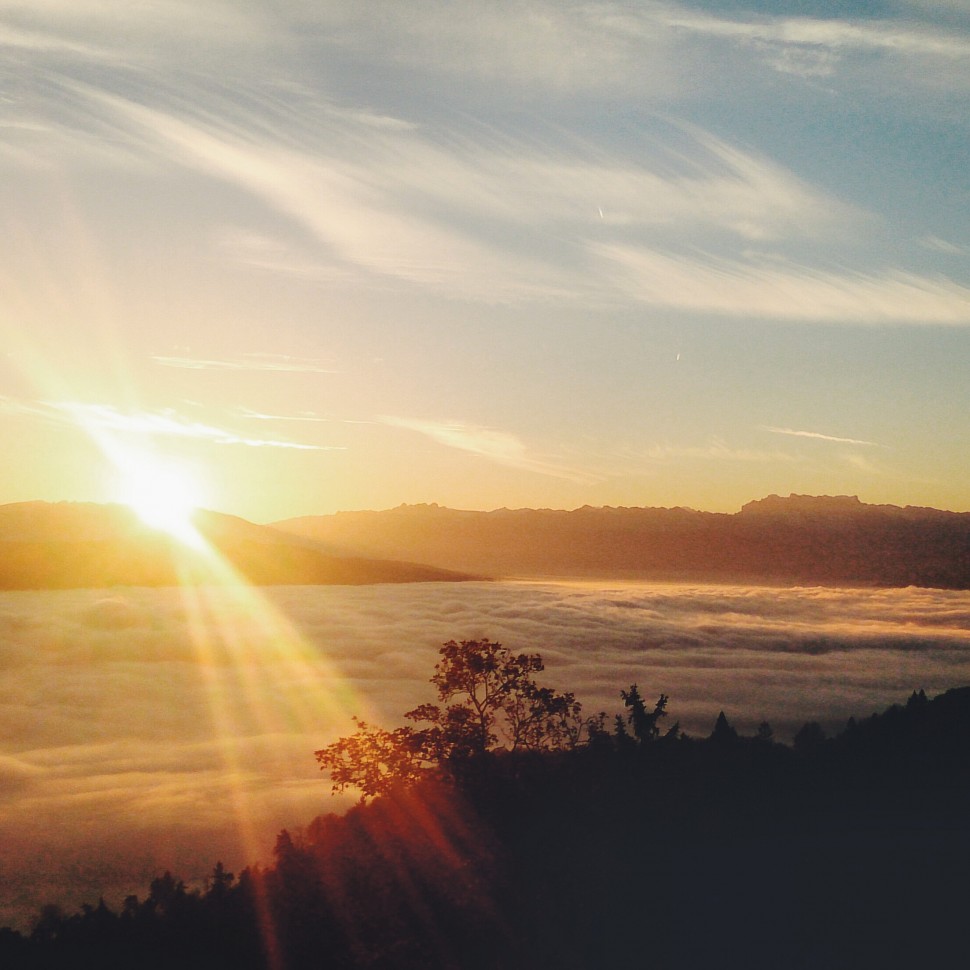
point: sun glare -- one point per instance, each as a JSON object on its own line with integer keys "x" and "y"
{"x": 163, "y": 494}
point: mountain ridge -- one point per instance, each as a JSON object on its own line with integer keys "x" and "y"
{"x": 794, "y": 540}
{"x": 801, "y": 540}
{"x": 69, "y": 545}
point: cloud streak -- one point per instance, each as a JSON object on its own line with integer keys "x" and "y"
{"x": 459, "y": 212}
{"x": 46, "y": 24}
{"x": 39, "y": 42}
{"x": 834, "y": 34}
{"x": 573, "y": 46}
{"x": 306, "y": 417}
{"x": 935, "y": 244}
{"x": 784, "y": 291}
{"x": 374, "y": 198}
{"x": 819, "y": 436}
{"x": 716, "y": 450}
{"x": 380, "y": 212}
{"x": 164, "y": 424}
{"x": 497, "y": 446}
{"x": 249, "y": 362}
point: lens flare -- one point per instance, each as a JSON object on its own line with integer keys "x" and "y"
{"x": 163, "y": 494}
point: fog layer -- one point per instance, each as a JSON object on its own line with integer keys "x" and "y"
{"x": 150, "y": 729}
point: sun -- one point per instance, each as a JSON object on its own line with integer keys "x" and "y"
{"x": 162, "y": 492}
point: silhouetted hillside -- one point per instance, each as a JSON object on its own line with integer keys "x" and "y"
{"x": 797, "y": 540}
{"x": 649, "y": 850}
{"x": 71, "y": 545}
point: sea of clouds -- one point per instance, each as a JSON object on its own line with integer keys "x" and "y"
{"x": 152, "y": 729}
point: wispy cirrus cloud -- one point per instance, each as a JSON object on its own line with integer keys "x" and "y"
{"x": 938, "y": 245}
{"x": 305, "y": 416}
{"x": 817, "y": 435}
{"x": 528, "y": 223}
{"x": 46, "y": 41}
{"x": 350, "y": 205}
{"x": 545, "y": 44}
{"x": 567, "y": 46}
{"x": 836, "y": 33}
{"x": 769, "y": 288}
{"x": 716, "y": 450}
{"x": 69, "y": 24}
{"x": 249, "y": 362}
{"x": 267, "y": 254}
{"x": 468, "y": 219}
{"x": 497, "y": 446}
{"x": 862, "y": 463}
{"x": 821, "y": 47}
{"x": 159, "y": 424}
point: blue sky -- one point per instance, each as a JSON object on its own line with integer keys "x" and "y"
{"x": 327, "y": 255}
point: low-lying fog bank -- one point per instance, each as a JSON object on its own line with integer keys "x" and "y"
{"x": 145, "y": 729}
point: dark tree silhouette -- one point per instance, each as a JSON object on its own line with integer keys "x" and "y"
{"x": 764, "y": 733}
{"x": 723, "y": 733}
{"x": 495, "y": 701}
{"x": 854, "y": 856}
{"x": 809, "y": 737}
{"x": 219, "y": 882}
{"x": 491, "y": 702}
{"x": 374, "y": 760}
{"x": 645, "y": 726}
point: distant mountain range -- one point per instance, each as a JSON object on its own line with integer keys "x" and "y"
{"x": 73, "y": 544}
{"x": 801, "y": 540}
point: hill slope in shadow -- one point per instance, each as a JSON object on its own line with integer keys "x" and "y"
{"x": 800, "y": 540}
{"x": 726, "y": 852}
{"x": 69, "y": 545}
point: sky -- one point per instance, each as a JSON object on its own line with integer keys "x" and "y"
{"x": 151, "y": 729}
{"x": 310, "y": 255}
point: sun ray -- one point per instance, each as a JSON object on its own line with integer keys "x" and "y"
{"x": 262, "y": 678}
